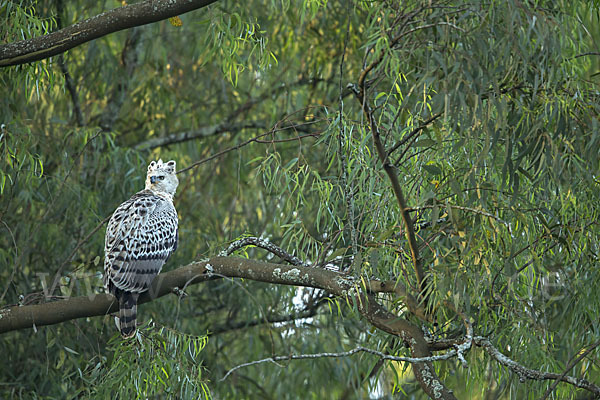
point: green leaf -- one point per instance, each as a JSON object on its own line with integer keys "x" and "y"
{"x": 432, "y": 169}
{"x": 425, "y": 143}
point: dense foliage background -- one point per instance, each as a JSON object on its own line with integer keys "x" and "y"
{"x": 488, "y": 110}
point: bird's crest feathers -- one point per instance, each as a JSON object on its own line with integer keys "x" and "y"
{"x": 168, "y": 167}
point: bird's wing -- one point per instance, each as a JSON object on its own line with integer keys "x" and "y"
{"x": 140, "y": 237}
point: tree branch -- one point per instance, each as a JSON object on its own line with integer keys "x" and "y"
{"x": 462, "y": 208}
{"x": 581, "y": 355}
{"x": 142, "y": 13}
{"x": 413, "y": 337}
{"x": 202, "y": 132}
{"x": 309, "y": 311}
{"x": 390, "y": 170}
{"x": 525, "y": 373}
{"x": 359, "y": 349}
{"x": 97, "y": 304}
{"x": 264, "y": 244}
{"x": 69, "y": 83}
{"x": 255, "y": 139}
{"x": 590, "y": 53}
{"x": 130, "y": 61}
{"x": 413, "y": 133}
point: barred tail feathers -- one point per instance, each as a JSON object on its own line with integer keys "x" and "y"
{"x": 128, "y": 314}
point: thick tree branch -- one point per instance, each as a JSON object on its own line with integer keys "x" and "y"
{"x": 413, "y": 336}
{"x": 115, "y": 20}
{"x": 96, "y": 304}
{"x": 22, "y": 317}
{"x": 373, "y": 286}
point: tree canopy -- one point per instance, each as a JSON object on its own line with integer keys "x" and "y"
{"x": 377, "y": 199}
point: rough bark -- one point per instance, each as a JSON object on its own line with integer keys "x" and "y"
{"x": 361, "y": 293}
{"x": 129, "y": 16}
{"x": 96, "y": 304}
{"x": 413, "y": 337}
{"x": 28, "y": 316}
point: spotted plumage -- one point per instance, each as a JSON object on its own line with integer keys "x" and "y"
{"x": 141, "y": 235}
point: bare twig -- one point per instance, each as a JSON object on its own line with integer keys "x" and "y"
{"x": 525, "y": 373}
{"x": 14, "y": 271}
{"x": 413, "y": 133}
{"x": 359, "y": 349}
{"x": 264, "y": 244}
{"x": 255, "y": 139}
{"x": 427, "y": 26}
{"x": 130, "y": 60}
{"x": 69, "y": 83}
{"x": 590, "y": 53}
{"x": 292, "y": 139}
{"x": 309, "y": 311}
{"x": 51, "y": 204}
{"x": 70, "y": 256}
{"x": 68, "y": 174}
{"x": 202, "y": 132}
{"x": 531, "y": 260}
{"x": 574, "y": 362}
{"x": 473, "y": 210}
{"x": 272, "y": 93}
{"x": 394, "y": 41}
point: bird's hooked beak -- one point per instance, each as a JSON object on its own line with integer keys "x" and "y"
{"x": 153, "y": 179}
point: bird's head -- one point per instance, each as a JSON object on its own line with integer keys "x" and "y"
{"x": 161, "y": 177}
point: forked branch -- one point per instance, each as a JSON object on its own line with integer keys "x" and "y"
{"x": 96, "y": 304}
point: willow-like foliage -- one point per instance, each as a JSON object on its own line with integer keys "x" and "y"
{"x": 489, "y": 115}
